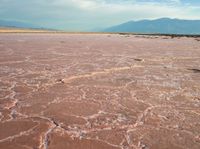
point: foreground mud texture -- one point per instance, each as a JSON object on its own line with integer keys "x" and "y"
{"x": 90, "y": 91}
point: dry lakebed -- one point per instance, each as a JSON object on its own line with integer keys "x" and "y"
{"x": 99, "y": 91}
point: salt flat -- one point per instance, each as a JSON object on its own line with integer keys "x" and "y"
{"x": 99, "y": 91}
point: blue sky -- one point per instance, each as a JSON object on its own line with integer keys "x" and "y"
{"x": 80, "y": 15}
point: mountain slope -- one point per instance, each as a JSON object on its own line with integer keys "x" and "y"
{"x": 163, "y": 26}
{"x": 4, "y": 23}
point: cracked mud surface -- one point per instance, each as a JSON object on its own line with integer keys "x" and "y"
{"x": 73, "y": 91}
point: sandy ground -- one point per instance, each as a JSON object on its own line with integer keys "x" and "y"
{"x": 75, "y": 91}
{"x": 18, "y": 30}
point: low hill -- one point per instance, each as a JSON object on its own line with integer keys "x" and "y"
{"x": 18, "y": 24}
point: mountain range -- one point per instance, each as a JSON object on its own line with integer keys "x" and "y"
{"x": 157, "y": 26}
{"x": 160, "y": 26}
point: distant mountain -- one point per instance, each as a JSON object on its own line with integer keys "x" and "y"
{"x": 17, "y": 24}
{"x": 162, "y": 26}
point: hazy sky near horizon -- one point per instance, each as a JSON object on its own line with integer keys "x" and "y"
{"x": 94, "y": 14}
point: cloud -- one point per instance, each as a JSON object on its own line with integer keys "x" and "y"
{"x": 89, "y": 14}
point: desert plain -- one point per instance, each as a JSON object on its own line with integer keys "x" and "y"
{"x": 99, "y": 91}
